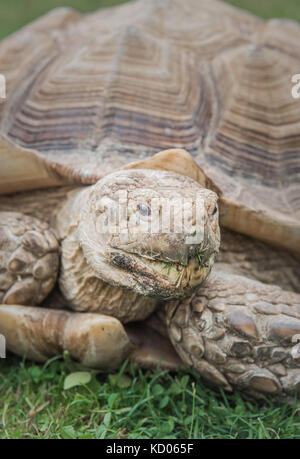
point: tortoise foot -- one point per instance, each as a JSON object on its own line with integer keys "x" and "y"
{"x": 28, "y": 259}
{"x": 240, "y": 334}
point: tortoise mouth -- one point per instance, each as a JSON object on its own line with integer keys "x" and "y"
{"x": 163, "y": 277}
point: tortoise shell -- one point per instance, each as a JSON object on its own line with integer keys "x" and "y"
{"x": 87, "y": 94}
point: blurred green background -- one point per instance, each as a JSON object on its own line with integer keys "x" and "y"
{"x": 15, "y": 13}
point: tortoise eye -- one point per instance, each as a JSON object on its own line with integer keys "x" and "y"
{"x": 144, "y": 210}
{"x": 215, "y": 210}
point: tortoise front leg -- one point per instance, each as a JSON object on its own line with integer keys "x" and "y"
{"x": 95, "y": 340}
{"x": 240, "y": 334}
{"x": 28, "y": 259}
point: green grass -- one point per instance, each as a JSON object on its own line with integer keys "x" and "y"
{"x": 135, "y": 404}
{"x": 33, "y": 402}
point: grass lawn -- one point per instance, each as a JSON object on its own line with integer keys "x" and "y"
{"x": 132, "y": 404}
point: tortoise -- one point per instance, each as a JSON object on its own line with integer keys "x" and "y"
{"x": 154, "y": 101}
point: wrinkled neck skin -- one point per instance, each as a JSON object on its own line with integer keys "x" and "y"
{"x": 160, "y": 264}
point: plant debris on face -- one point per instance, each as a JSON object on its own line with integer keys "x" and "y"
{"x": 170, "y": 265}
{"x": 202, "y": 259}
{"x": 180, "y": 267}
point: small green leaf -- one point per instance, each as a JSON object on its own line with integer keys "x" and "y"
{"x": 168, "y": 426}
{"x": 164, "y": 402}
{"x": 158, "y": 389}
{"x": 184, "y": 380}
{"x": 36, "y": 373}
{"x": 175, "y": 389}
{"x": 68, "y": 432}
{"x": 107, "y": 419}
{"x": 76, "y": 379}
{"x": 100, "y": 431}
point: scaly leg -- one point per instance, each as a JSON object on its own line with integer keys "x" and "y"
{"x": 28, "y": 259}
{"x": 240, "y": 334}
{"x": 95, "y": 340}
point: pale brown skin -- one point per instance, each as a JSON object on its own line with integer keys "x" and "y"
{"x": 84, "y": 104}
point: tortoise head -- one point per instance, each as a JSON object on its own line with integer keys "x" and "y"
{"x": 154, "y": 231}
